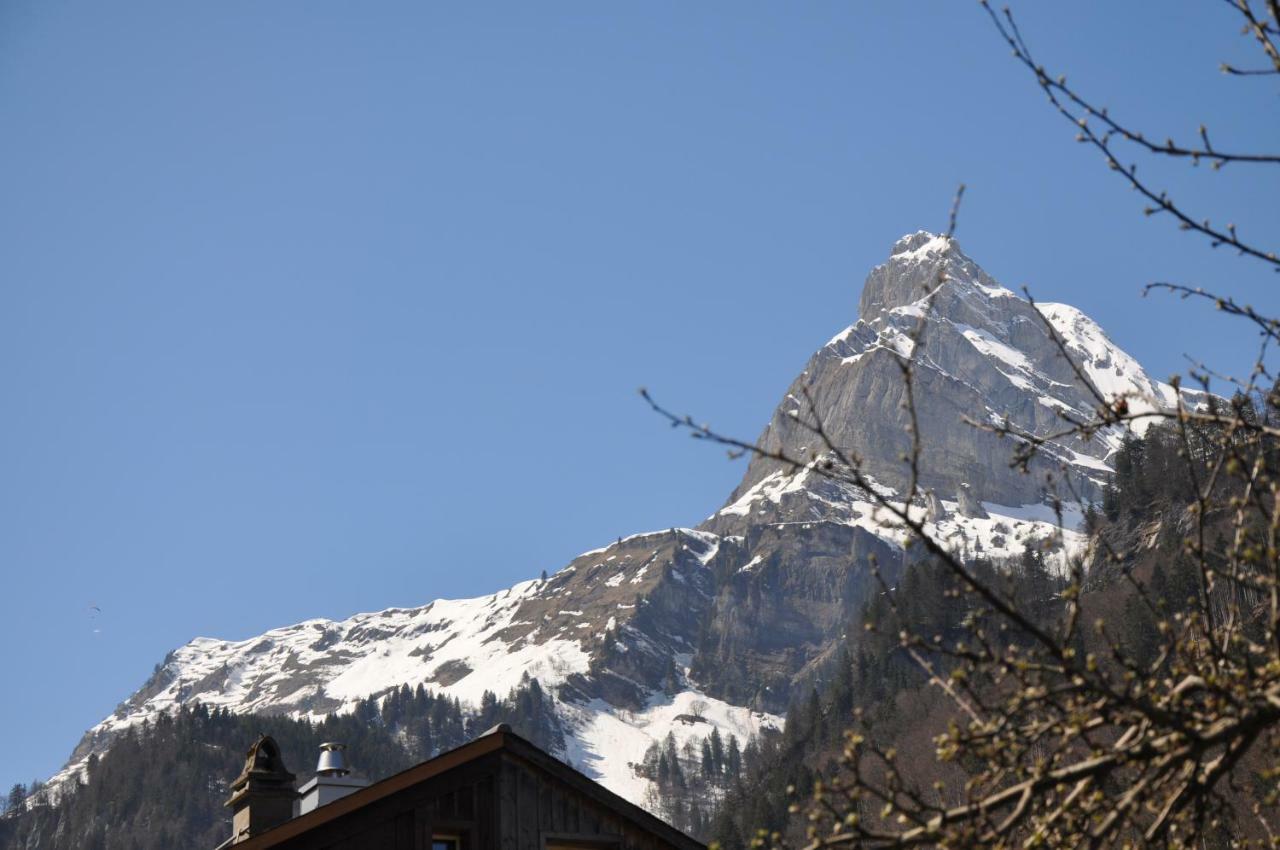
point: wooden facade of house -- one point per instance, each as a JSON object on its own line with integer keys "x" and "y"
{"x": 498, "y": 792}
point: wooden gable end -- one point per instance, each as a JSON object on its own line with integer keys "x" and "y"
{"x": 498, "y": 792}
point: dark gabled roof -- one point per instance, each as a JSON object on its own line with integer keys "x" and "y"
{"x": 499, "y": 738}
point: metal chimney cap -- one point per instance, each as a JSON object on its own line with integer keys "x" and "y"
{"x": 332, "y": 761}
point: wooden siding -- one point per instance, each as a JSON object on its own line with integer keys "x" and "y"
{"x": 537, "y": 809}
{"x": 496, "y": 802}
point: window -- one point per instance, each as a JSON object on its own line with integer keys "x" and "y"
{"x": 446, "y": 842}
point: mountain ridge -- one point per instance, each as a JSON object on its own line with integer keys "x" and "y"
{"x": 723, "y": 622}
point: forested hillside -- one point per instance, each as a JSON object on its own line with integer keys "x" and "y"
{"x": 163, "y": 785}
{"x": 1137, "y": 547}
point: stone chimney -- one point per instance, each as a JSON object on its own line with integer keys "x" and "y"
{"x": 262, "y": 795}
{"x": 333, "y": 779}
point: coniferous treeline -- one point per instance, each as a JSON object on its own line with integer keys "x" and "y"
{"x": 1162, "y": 470}
{"x": 163, "y": 784}
{"x": 1143, "y": 510}
{"x": 871, "y": 673}
{"x": 690, "y": 779}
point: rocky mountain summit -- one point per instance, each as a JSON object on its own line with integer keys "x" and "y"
{"x": 687, "y": 629}
{"x": 984, "y": 354}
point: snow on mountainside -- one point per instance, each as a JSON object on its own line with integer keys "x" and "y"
{"x": 1111, "y": 370}
{"x": 742, "y": 612}
{"x": 545, "y": 629}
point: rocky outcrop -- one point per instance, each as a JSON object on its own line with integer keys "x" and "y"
{"x": 980, "y": 354}
{"x": 968, "y": 504}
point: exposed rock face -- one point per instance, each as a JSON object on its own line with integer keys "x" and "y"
{"x": 969, "y": 506}
{"x": 984, "y": 355}
{"x": 737, "y": 613}
{"x": 933, "y": 506}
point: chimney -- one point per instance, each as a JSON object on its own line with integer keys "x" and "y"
{"x": 262, "y": 795}
{"x": 333, "y": 779}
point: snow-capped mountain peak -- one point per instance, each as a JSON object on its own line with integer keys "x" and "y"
{"x": 741, "y": 613}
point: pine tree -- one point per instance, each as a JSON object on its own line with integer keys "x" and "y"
{"x": 17, "y": 795}
{"x": 734, "y": 759}
{"x": 717, "y": 752}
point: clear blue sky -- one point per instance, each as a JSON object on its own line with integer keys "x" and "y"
{"x": 309, "y": 308}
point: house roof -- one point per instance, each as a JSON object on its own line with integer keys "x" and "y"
{"x": 499, "y": 738}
